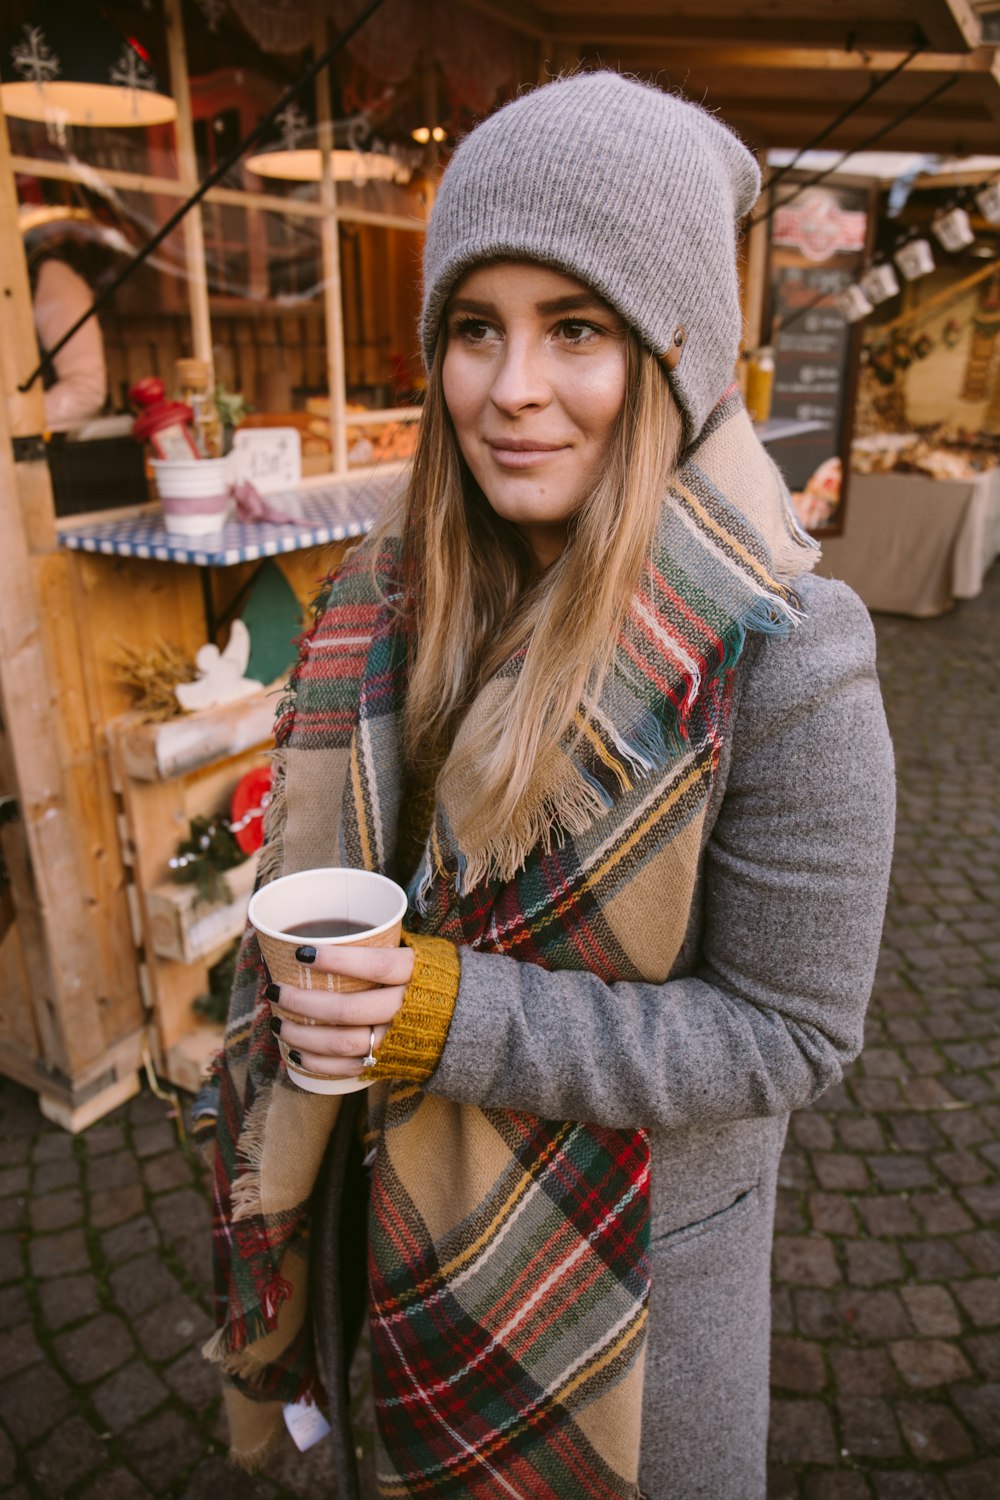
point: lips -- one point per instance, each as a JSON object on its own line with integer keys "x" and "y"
{"x": 522, "y": 453}
{"x": 522, "y": 445}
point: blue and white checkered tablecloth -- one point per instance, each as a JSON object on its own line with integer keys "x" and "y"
{"x": 329, "y": 512}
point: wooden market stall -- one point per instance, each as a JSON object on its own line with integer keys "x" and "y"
{"x": 301, "y": 295}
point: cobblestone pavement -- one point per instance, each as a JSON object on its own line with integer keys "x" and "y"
{"x": 886, "y": 1358}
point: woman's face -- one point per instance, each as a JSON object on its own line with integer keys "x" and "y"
{"x": 534, "y": 380}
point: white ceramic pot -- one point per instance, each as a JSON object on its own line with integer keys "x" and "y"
{"x": 953, "y": 229}
{"x": 880, "y": 283}
{"x": 915, "y": 259}
{"x": 194, "y": 494}
{"x": 988, "y": 202}
{"x": 854, "y": 304}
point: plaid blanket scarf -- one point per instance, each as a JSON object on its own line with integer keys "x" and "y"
{"x": 508, "y": 1279}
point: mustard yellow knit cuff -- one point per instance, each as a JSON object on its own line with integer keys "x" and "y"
{"x": 416, "y": 1036}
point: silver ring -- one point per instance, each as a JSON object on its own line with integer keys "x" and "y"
{"x": 371, "y": 1059}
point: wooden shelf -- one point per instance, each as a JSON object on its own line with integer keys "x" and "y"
{"x": 166, "y": 775}
{"x": 159, "y": 752}
{"x": 185, "y": 928}
{"x": 187, "y": 1061}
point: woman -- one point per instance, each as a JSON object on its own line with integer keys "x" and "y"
{"x": 581, "y": 695}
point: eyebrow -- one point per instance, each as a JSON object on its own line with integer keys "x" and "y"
{"x": 573, "y": 302}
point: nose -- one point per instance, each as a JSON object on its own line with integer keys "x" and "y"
{"x": 520, "y": 383}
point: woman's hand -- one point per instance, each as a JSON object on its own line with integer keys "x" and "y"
{"x": 334, "y": 1030}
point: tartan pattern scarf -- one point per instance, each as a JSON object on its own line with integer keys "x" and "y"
{"x": 508, "y": 1279}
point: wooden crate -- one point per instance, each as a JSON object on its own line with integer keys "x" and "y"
{"x": 164, "y": 780}
{"x": 185, "y": 928}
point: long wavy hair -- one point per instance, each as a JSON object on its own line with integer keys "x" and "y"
{"x": 475, "y": 598}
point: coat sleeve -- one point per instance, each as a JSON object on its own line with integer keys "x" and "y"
{"x": 795, "y": 878}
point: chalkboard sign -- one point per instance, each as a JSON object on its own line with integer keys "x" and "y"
{"x": 818, "y": 247}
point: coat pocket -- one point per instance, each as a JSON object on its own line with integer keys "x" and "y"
{"x": 720, "y": 1210}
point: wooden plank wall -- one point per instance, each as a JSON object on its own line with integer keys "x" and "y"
{"x": 381, "y": 280}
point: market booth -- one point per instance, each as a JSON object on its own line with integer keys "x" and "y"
{"x": 923, "y": 525}
{"x": 280, "y": 313}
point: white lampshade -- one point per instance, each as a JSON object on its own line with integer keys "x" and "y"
{"x": 304, "y": 164}
{"x": 77, "y": 70}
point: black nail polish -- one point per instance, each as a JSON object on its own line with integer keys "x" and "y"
{"x": 296, "y": 1058}
{"x": 272, "y": 993}
{"x": 275, "y": 1024}
{"x": 306, "y": 954}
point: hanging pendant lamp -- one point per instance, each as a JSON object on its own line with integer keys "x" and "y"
{"x": 294, "y": 160}
{"x": 69, "y": 67}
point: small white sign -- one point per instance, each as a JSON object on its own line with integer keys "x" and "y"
{"x": 306, "y": 1424}
{"x": 270, "y": 457}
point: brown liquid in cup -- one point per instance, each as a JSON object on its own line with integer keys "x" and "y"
{"x": 327, "y": 927}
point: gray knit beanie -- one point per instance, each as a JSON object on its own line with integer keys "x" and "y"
{"x": 634, "y": 191}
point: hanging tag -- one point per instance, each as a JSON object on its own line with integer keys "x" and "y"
{"x": 306, "y": 1424}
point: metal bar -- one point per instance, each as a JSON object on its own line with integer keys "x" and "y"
{"x": 845, "y": 114}
{"x": 218, "y": 172}
{"x": 884, "y": 130}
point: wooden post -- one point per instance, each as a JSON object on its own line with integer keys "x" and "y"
{"x": 187, "y": 164}
{"x": 71, "y": 1016}
{"x": 333, "y": 311}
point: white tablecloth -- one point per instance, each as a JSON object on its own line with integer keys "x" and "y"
{"x": 912, "y": 545}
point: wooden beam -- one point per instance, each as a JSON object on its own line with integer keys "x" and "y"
{"x": 30, "y": 711}
{"x": 333, "y": 291}
{"x": 135, "y": 182}
{"x": 187, "y": 167}
{"x": 944, "y": 25}
{"x": 690, "y": 31}
{"x": 766, "y": 125}
{"x": 515, "y": 15}
{"x": 947, "y": 23}
{"x": 703, "y": 57}
{"x": 19, "y": 345}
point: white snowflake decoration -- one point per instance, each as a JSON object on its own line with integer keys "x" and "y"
{"x": 293, "y": 125}
{"x": 34, "y": 59}
{"x": 130, "y": 72}
{"x": 213, "y": 11}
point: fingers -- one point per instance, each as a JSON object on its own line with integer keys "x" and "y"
{"x": 327, "y": 1032}
{"x": 312, "y": 1009}
{"x": 377, "y": 965}
{"x": 334, "y": 1050}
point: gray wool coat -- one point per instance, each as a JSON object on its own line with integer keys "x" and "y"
{"x": 764, "y": 1008}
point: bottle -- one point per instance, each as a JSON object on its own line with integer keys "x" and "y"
{"x": 165, "y": 425}
{"x": 195, "y": 380}
{"x": 760, "y": 383}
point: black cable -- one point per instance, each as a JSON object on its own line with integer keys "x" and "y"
{"x": 259, "y": 130}
{"x": 879, "y": 134}
{"x": 845, "y": 114}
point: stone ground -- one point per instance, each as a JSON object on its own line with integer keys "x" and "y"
{"x": 886, "y": 1359}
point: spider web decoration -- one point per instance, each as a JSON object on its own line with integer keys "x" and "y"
{"x": 34, "y": 59}
{"x": 213, "y": 11}
{"x": 278, "y": 26}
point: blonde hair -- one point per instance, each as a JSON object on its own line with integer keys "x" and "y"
{"x": 474, "y": 598}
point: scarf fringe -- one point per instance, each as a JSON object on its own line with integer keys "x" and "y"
{"x": 245, "y": 1192}
{"x": 271, "y": 859}
{"x": 571, "y": 808}
{"x": 252, "y": 1461}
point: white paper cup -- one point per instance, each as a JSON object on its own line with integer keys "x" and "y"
{"x": 310, "y": 896}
